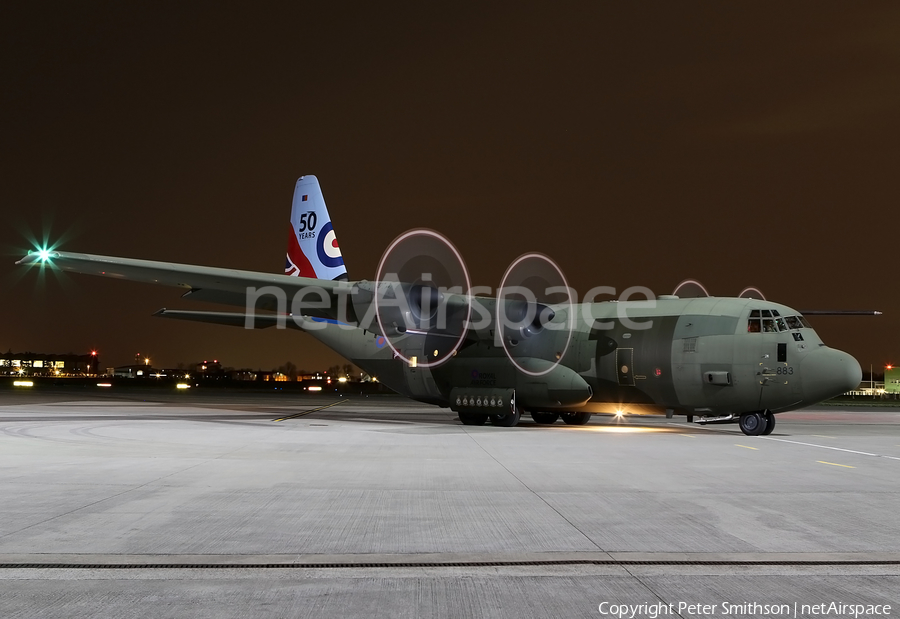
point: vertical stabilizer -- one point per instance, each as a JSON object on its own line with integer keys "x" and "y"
{"x": 312, "y": 249}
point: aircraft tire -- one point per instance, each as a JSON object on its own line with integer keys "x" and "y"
{"x": 752, "y": 424}
{"x": 769, "y": 417}
{"x": 576, "y": 419}
{"x": 509, "y": 420}
{"x": 545, "y": 418}
{"x": 472, "y": 419}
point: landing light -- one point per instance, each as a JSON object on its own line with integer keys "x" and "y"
{"x": 104, "y": 384}
{"x": 23, "y": 383}
{"x": 182, "y": 386}
{"x": 342, "y": 379}
{"x": 314, "y": 388}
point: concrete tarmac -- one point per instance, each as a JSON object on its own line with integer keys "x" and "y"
{"x": 233, "y": 504}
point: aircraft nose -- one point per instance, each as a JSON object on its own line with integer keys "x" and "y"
{"x": 827, "y": 373}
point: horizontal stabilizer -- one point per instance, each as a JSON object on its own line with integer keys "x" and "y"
{"x": 231, "y": 319}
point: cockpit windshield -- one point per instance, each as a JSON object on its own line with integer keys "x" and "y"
{"x": 770, "y": 321}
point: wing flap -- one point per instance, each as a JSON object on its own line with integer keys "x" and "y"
{"x": 231, "y": 319}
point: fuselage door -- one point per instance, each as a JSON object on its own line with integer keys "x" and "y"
{"x": 625, "y": 366}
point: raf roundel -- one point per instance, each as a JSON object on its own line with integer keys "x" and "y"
{"x": 327, "y": 247}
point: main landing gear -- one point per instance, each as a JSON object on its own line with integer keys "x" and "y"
{"x": 512, "y": 416}
{"x": 508, "y": 420}
{"x": 757, "y": 423}
{"x": 472, "y": 419}
{"x": 544, "y": 418}
{"x": 576, "y": 419}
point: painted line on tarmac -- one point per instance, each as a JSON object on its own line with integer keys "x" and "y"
{"x": 846, "y": 466}
{"x": 314, "y": 410}
{"x": 745, "y": 447}
{"x": 852, "y": 451}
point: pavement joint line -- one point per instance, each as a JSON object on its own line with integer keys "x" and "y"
{"x": 536, "y": 494}
{"x": 392, "y": 564}
{"x": 313, "y": 410}
{"x": 852, "y": 451}
{"x": 647, "y": 587}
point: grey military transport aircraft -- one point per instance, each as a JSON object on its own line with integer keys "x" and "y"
{"x": 711, "y": 359}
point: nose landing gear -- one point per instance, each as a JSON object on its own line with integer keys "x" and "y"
{"x": 757, "y": 423}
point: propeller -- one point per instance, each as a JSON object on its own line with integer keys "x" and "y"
{"x": 422, "y": 288}
{"x": 690, "y": 289}
{"x": 534, "y": 314}
{"x": 751, "y": 292}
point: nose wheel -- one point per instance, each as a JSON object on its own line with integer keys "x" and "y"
{"x": 770, "y": 423}
{"x": 757, "y": 423}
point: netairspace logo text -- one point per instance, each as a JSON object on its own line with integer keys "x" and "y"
{"x": 729, "y": 609}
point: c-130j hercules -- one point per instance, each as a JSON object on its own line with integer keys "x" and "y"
{"x": 711, "y": 359}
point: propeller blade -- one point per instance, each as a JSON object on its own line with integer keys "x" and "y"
{"x": 750, "y": 292}
{"x": 690, "y": 289}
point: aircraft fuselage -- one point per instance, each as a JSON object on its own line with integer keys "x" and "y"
{"x": 703, "y": 356}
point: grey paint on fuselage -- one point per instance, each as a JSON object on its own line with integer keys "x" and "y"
{"x": 608, "y": 366}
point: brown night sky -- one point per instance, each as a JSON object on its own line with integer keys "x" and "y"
{"x": 635, "y": 143}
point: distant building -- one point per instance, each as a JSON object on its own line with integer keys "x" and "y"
{"x": 891, "y": 379}
{"x": 43, "y": 364}
{"x": 133, "y": 371}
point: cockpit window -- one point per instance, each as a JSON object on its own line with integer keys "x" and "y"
{"x": 769, "y": 321}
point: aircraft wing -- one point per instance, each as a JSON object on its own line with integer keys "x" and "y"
{"x": 202, "y": 283}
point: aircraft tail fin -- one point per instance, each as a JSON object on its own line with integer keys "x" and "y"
{"x": 312, "y": 249}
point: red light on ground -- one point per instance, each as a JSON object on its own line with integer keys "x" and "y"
{"x": 93, "y": 353}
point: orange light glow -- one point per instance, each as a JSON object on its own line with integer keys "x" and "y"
{"x": 620, "y": 429}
